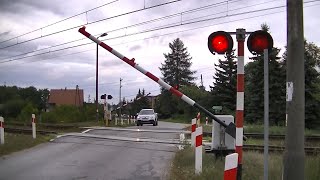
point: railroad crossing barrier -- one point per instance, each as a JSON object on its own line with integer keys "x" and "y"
{"x": 230, "y": 167}
{"x": 1, "y": 130}
{"x": 198, "y": 154}
{"x": 34, "y": 134}
{"x": 193, "y": 129}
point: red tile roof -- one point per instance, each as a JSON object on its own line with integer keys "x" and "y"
{"x": 66, "y": 97}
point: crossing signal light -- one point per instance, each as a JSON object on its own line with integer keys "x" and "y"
{"x": 104, "y": 96}
{"x": 109, "y": 97}
{"x": 258, "y": 41}
{"x": 220, "y": 42}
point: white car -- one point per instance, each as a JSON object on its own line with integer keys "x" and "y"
{"x": 147, "y": 116}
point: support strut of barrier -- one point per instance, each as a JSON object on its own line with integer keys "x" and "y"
{"x": 230, "y": 128}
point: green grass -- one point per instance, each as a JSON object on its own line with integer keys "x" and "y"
{"x": 68, "y": 127}
{"x": 252, "y": 128}
{"x": 18, "y": 142}
{"x": 182, "y": 166}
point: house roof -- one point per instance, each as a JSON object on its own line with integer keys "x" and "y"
{"x": 66, "y": 97}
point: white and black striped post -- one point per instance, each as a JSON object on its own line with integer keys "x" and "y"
{"x": 230, "y": 128}
{"x": 198, "y": 158}
{"x": 1, "y": 130}
{"x": 34, "y": 134}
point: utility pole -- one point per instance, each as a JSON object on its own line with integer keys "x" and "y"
{"x": 97, "y": 105}
{"x": 97, "y": 62}
{"x": 120, "y": 101}
{"x": 294, "y": 149}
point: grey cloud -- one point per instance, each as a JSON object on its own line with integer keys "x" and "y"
{"x": 135, "y": 47}
{"x": 4, "y": 34}
{"x": 109, "y": 63}
{"x": 23, "y": 6}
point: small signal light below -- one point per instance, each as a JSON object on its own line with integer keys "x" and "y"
{"x": 220, "y": 42}
{"x": 258, "y": 41}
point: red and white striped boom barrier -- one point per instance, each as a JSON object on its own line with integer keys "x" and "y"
{"x": 230, "y": 128}
{"x": 230, "y": 167}
{"x": 193, "y": 131}
{"x": 198, "y": 158}
{"x": 34, "y": 134}
{"x": 1, "y": 130}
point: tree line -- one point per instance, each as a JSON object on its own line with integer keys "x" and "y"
{"x": 176, "y": 71}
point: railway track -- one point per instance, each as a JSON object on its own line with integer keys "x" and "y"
{"x": 279, "y": 149}
{"x": 271, "y": 136}
{"x": 260, "y": 148}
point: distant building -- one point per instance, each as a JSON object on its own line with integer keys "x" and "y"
{"x": 152, "y": 100}
{"x": 66, "y": 96}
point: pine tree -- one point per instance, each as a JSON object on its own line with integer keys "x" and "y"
{"x": 254, "y": 87}
{"x": 176, "y": 72}
{"x": 224, "y": 90}
{"x": 176, "y": 67}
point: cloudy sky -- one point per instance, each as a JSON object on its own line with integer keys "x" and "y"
{"x": 40, "y": 45}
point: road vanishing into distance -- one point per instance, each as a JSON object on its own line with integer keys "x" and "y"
{"x": 95, "y": 158}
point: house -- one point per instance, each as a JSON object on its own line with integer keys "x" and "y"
{"x": 66, "y": 96}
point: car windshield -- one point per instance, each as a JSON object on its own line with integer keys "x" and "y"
{"x": 146, "y": 112}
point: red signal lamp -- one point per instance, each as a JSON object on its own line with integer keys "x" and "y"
{"x": 220, "y": 42}
{"x": 258, "y": 41}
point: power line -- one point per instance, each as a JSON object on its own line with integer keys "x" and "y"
{"x": 84, "y": 12}
{"x": 134, "y": 25}
{"x": 141, "y": 32}
{"x": 57, "y": 32}
{"x": 157, "y": 35}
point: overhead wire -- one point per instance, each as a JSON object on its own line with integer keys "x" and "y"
{"x": 141, "y": 32}
{"x": 134, "y": 25}
{"x": 35, "y": 30}
{"x": 116, "y": 16}
{"x": 139, "y": 39}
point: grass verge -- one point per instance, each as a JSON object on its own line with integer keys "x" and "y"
{"x": 182, "y": 166}
{"x": 18, "y": 142}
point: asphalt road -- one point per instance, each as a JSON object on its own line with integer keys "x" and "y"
{"x": 78, "y": 158}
